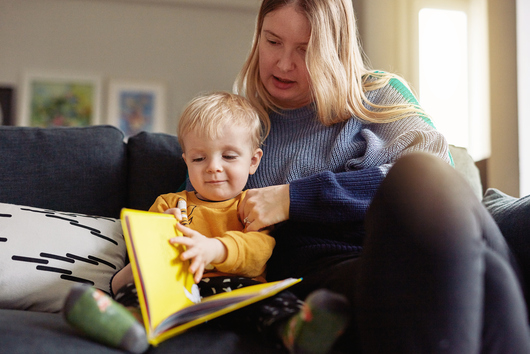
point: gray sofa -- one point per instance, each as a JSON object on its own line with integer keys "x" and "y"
{"x": 88, "y": 171}
{"x": 93, "y": 171}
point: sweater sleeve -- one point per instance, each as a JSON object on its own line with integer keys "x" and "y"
{"x": 345, "y": 196}
{"x": 161, "y": 204}
{"x": 248, "y": 252}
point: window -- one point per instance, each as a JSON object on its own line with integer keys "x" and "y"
{"x": 453, "y": 69}
{"x": 443, "y": 71}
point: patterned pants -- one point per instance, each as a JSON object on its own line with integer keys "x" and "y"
{"x": 264, "y": 315}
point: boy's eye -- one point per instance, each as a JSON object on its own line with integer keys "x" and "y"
{"x": 230, "y": 157}
{"x": 197, "y": 159}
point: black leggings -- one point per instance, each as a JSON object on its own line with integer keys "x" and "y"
{"x": 435, "y": 274}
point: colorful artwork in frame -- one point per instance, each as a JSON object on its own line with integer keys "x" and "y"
{"x": 136, "y": 106}
{"x": 60, "y": 100}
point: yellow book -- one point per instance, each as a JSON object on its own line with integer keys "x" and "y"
{"x": 169, "y": 298}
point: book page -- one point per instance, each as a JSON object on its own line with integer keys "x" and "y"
{"x": 166, "y": 285}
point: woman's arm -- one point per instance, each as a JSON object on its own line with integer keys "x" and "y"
{"x": 333, "y": 172}
{"x": 343, "y": 196}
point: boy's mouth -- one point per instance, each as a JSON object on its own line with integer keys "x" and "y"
{"x": 215, "y": 182}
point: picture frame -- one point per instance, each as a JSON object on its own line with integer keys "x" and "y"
{"x": 7, "y": 108}
{"x": 56, "y": 99}
{"x": 136, "y": 106}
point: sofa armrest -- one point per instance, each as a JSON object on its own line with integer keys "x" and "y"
{"x": 466, "y": 166}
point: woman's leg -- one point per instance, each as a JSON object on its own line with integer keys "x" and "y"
{"x": 433, "y": 268}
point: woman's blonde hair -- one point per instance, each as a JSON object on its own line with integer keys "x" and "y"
{"x": 209, "y": 113}
{"x": 338, "y": 75}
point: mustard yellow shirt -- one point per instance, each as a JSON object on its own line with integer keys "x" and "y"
{"x": 247, "y": 252}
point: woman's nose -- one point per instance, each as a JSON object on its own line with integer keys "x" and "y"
{"x": 285, "y": 61}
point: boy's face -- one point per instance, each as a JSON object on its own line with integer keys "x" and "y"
{"x": 218, "y": 168}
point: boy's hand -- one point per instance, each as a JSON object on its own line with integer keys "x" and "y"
{"x": 200, "y": 249}
{"x": 175, "y": 212}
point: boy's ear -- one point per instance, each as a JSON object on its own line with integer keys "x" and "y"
{"x": 184, "y": 157}
{"x": 254, "y": 162}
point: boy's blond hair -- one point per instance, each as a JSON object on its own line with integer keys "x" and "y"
{"x": 209, "y": 113}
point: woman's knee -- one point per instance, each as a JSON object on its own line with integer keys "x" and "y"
{"x": 423, "y": 173}
{"x": 423, "y": 195}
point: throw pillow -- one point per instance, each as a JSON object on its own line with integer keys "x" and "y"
{"x": 44, "y": 252}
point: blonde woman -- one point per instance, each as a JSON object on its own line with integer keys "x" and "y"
{"x": 359, "y": 185}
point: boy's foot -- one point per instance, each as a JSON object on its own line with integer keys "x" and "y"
{"x": 103, "y": 319}
{"x": 321, "y": 320}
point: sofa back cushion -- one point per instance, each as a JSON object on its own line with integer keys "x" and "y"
{"x": 156, "y": 167}
{"x": 82, "y": 170}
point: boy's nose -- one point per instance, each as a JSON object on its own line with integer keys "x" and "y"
{"x": 215, "y": 166}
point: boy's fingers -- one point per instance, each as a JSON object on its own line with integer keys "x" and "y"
{"x": 186, "y": 241}
{"x": 199, "y": 273}
{"x": 185, "y": 230}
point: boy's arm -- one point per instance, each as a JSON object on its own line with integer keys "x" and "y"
{"x": 247, "y": 252}
{"x": 161, "y": 204}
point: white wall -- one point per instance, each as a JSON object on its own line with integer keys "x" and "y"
{"x": 503, "y": 165}
{"x": 190, "y": 46}
{"x": 523, "y": 83}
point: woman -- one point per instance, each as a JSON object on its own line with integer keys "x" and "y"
{"x": 354, "y": 178}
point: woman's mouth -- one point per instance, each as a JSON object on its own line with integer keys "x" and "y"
{"x": 283, "y": 83}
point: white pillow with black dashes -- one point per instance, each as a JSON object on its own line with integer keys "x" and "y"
{"x": 44, "y": 252}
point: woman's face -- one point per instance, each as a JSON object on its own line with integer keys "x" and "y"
{"x": 282, "y": 48}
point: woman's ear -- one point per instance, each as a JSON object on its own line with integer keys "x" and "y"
{"x": 254, "y": 162}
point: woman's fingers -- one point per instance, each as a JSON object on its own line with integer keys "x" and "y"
{"x": 264, "y": 207}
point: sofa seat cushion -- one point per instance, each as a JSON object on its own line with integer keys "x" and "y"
{"x": 44, "y": 252}
{"x": 34, "y": 332}
{"x": 82, "y": 170}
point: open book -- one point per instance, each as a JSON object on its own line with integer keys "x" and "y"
{"x": 169, "y": 298}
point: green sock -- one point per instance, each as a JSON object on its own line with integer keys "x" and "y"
{"x": 319, "y": 323}
{"x": 98, "y": 316}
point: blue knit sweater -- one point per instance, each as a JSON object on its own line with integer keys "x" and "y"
{"x": 334, "y": 173}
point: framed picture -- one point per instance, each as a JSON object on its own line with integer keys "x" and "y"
{"x": 60, "y": 100}
{"x": 137, "y": 106}
{"x": 6, "y": 106}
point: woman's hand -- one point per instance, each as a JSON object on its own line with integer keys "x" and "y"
{"x": 264, "y": 207}
{"x": 200, "y": 249}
